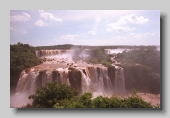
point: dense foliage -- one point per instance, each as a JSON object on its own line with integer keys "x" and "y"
{"x": 140, "y": 77}
{"x": 98, "y": 56}
{"x": 55, "y": 95}
{"x": 51, "y": 94}
{"x": 21, "y": 56}
{"x": 146, "y": 56}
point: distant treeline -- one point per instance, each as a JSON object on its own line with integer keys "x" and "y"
{"x": 69, "y": 46}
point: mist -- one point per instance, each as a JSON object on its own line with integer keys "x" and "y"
{"x": 20, "y": 99}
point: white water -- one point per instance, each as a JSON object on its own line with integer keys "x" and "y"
{"x": 115, "y": 51}
{"x": 94, "y": 79}
{"x": 119, "y": 84}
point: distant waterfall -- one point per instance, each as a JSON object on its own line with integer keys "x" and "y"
{"x": 41, "y": 53}
{"x": 119, "y": 84}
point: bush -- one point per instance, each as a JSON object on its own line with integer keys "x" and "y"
{"x": 48, "y": 96}
{"x": 135, "y": 102}
{"x": 101, "y": 102}
{"x": 56, "y": 95}
{"x": 82, "y": 101}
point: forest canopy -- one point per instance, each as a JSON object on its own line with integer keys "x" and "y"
{"x": 21, "y": 56}
{"x": 149, "y": 57}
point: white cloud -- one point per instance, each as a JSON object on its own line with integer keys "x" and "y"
{"x": 109, "y": 30}
{"x": 40, "y": 23}
{"x": 119, "y": 26}
{"x": 140, "y": 35}
{"x": 23, "y": 31}
{"x": 91, "y": 32}
{"x": 20, "y": 18}
{"x": 133, "y": 19}
{"x": 119, "y": 37}
{"x": 136, "y": 20}
{"x": 68, "y": 37}
{"x": 48, "y": 16}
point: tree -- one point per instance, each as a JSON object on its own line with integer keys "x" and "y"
{"x": 22, "y": 56}
{"x": 52, "y": 93}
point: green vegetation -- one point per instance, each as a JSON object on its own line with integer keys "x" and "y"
{"x": 98, "y": 56}
{"x": 55, "y": 95}
{"x": 22, "y": 56}
{"x": 51, "y": 94}
{"x": 149, "y": 57}
{"x": 141, "y": 69}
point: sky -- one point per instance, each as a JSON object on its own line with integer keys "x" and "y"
{"x": 85, "y": 27}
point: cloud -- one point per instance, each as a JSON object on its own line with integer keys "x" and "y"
{"x": 109, "y": 30}
{"x": 91, "y": 32}
{"x": 118, "y": 28}
{"x": 134, "y": 19}
{"x": 140, "y": 35}
{"x": 119, "y": 38}
{"x": 68, "y": 37}
{"x": 119, "y": 25}
{"x": 20, "y": 18}
{"x": 40, "y": 23}
{"x": 49, "y": 16}
{"x": 23, "y": 31}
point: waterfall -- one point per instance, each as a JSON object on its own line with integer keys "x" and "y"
{"x": 42, "y": 53}
{"x": 91, "y": 79}
{"x": 94, "y": 79}
{"x": 85, "y": 82}
{"x": 30, "y": 82}
{"x": 119, "y": 84}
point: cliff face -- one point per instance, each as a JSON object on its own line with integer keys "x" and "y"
{"x": 141, "y": 78}
{"x": 111, "y": 73}
{"x": 75, "y": 76}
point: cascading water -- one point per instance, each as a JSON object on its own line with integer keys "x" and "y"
{"x": 119, "y": 84}
{"x": 93, "y": 79}
{"x": 86, "y": 78}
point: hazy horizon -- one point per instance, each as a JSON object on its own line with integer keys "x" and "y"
{"x": 85, "y": 27}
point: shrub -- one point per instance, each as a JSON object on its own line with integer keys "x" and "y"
{"x": 47, "y": 96}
